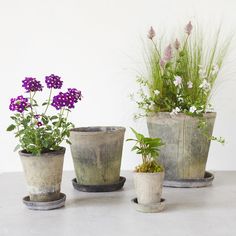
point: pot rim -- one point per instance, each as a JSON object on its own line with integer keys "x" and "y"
{"x": 148, "y": 173}
{"x": 92, "y": 130}
{"x": 62, "y": 150}
{"x": 180, "y": 115}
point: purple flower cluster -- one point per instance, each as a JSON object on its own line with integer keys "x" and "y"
{"x": 53, "y": 81}
{"x": 67, "y": 99}
{"x": 19, "y": 104}
{"x": 31, "y": 85}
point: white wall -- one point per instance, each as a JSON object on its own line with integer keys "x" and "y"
{"x": 95, "y": 46}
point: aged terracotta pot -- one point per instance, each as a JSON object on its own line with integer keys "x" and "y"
{"x": 43, "y": 174}
{"x": 185, "y": 153}
{"x": 97, "y": 153}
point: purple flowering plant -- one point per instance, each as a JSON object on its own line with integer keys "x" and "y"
{"x": 39, "y": 132}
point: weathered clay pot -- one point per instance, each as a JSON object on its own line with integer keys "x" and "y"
{"x": 97, "y": 153}
{"x": 185, "y": 153}
{"x": 148, "y": 187}
{"x": 43, "y": 174}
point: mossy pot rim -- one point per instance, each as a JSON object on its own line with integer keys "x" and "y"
{"x": 50, "y": 153}
{"x": 93, "y": 130}
{"x": 152, "y": 173}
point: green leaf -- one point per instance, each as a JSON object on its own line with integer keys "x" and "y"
{"x": 67, "y": 141}
{"x": 53, "y": 117}
{"x": 11, "y": 127}
{"x": 13, "y": 117}
{"x": 135, "y": 148}
{"x": 130, "y": 139}
{"x": 17, "y": 147}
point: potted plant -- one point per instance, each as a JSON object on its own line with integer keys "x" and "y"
{"x": 175, "y": 96}
{"x": 97, "y": 154}
{"x": 40, "y": 136}
{"x": 148, "y": 176}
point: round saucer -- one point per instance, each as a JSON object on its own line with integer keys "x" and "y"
{"x": 44, "y": 206}
{"x": 191, "y": 183}
{"x": 99, "y": 188}
{"x": 149, "y": 208}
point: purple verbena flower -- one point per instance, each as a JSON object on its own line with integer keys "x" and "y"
{"x": 37, "y": 116}
{"x": 188, "y": 28}
{"x": 67, "y": 99}
{"x": 168, "y": 53}
{"x": 31, "y": 85}
{"x": 53, "y": 81}
{"x": 39, "y": 124}
{"x": 19, "y": 104}
{"x": 151, "y": 33}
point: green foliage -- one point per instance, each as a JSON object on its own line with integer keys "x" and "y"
{"x": 40, "y": 133}
{"x": 202, "y": 125}
{"x": 196, "y": 62}
{"x": 149, "y": 149}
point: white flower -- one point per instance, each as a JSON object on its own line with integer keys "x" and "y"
{"x": 206, "y": 86}
{"x": 215, "y": 69}
{"x": 192, "y": 109}
{"x": 156, "y": 92}
{"x": 209, "y": 108}
{"x": 175, "y": 111}
{"x": 190, "y": 84}
{"x": 179, "y": 98}
{"x": 152, "y": 103}
{"x": 202, "y": 72}
{"x": 177, "y": 80}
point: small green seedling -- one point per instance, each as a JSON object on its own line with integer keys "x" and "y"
{"x": 148, "y": 148}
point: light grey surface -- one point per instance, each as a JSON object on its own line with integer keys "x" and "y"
{"x": 204, "y": 211}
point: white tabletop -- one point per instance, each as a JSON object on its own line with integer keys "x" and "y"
{"x": 204, "y": 211}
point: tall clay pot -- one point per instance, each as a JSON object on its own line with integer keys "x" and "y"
{"x": 185, "y": 153}
{"x": 43, "y": 174}
{"x": 96, "y": 153}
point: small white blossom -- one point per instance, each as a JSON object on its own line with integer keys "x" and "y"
{"x": 215, "y": 69}
{"x": 209, "y": 108}
{"x": 202, "y": 72}
{"x": 152, "y": 103}
{"x": 206, "y": 86}
{"x": 190, "y": 84}
{"x": 175, "y": 111}
{"x": 177, "y": 81}
{"x": 192, "y": 109}
{"x": 156, "y": 92}
{"x": 179, "y": 98}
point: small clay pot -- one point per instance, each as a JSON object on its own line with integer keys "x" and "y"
{"x": 148, "y": 187}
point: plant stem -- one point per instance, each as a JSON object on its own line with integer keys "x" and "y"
{"x": 155, "y": 46}
{"x": 31, "y": 106}
{"x": 49, "y": 100}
